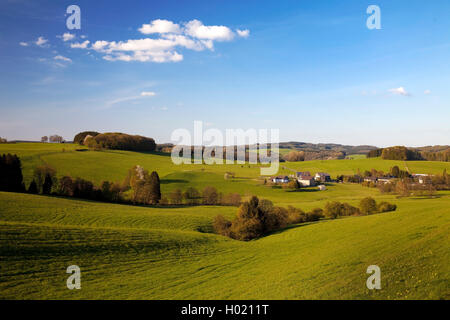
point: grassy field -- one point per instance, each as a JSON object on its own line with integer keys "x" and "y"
{"x": 131, "y": 252}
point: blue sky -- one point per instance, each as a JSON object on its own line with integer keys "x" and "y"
{"x": 310, "y": 68}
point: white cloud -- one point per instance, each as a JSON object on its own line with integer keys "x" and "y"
{"x": 146, "y": 56}
{"x": 78, "y": 45}
{"x": 243, "y": 33}
{"x": 160, "y": 26}
{"x": 62, "y": 58}
{"x": 197, "y": 29}
{"x": 148, "y": 94}
{"x": 427, "y": 91}
{"x": 192, "y": 35}
{"x": 41, "y": 41}
{"x": 67, "y": 36}
{"x": 23, "y": 44}
{"x": 99, "y": 45}
{"x": 399, "y": 91}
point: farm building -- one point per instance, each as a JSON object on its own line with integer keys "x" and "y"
{"x": 306, "y": 181}
{"x": 300, "y": 174}
{"x": 280, "y": 179}
{"x": 384, "y": 180}
{"x": 323, "y": 177}
{"x": 422, "y": 178}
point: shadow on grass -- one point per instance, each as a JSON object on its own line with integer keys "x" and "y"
{"x": 304, "y": 190}
{"x": 292, "y": 226}
{"x": 169, "y": 181}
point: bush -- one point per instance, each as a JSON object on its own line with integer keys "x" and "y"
{"x": 295, "y": 215}
{"x": 254, "y": 219}
{"x": 176, "y": 197}
{"x": 192, "y": 196}
{"x": 348, "y": 210}
{"x": 336, "y": 209}
{"x": 43, "y": 173}
{"x": 315, "y": 215}
{"x": 83, "y": 189}
{"x": 231, "y": 199}
{"x": 222, "y": 226}
{"x": 33, "y": 189}
{"x": 368, "y": 206}
{"x": 386, "y": 207}
{"x": 210, "y": 196}
{"x": 333, "y": 209}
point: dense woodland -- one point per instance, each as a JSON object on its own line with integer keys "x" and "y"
{"x": 437, "y": 153}
{"x": 115, "y": 141}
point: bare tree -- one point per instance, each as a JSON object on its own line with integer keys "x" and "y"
{"x": 56, "y": 138}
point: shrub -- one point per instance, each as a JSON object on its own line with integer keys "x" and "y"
{"x": 176, "y": 197}
{"x": 333, "y": 209}
{"x": 40, "y": 175}
{"x": 315, "y": 215}
{"x": 368, "y": 206}
{"x": 386, "y": 206}
{"x": 231, "y": 199}
{"x": 83, "y": 189}
{"x": 254, "y": 219}
{"x": 348, "y": 210}
{"x": 210, "y": 196}
{"x": 192, "y": 196}
{"x": 33, "y": 189}
{"x": 164, "y": 201}
{"x": 65, "y": 186}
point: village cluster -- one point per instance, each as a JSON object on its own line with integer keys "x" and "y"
{"x": 305, "y": 179}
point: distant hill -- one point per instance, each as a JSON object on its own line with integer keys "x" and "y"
{"x": 314, "y": 147}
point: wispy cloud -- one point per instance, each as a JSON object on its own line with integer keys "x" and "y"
{"x": 243, "y": 33}
{"x": 148, "y": 94}
{"x": 62, "y": 58}
{"x": 399, "y": 91}
{"x": 24, "y": 44}
{"x": 41, "y": 42}
{"x": 144, "y": 94}
{"x": 78, "y": 45}
{"x": 67, "y": 36}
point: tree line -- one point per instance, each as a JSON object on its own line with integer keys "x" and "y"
{"x": 138, "y": 187}
{"x": 256, "y": 218}
{"x": 115, "y": 141}
{"x": 406, "y": 154}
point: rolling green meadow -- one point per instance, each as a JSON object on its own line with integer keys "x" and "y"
{"x": 144, "y": 252}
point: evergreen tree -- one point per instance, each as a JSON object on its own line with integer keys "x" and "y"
{"x": 33, "y": 187}
{"x": 47, "y": 185}
{"x": 154, "y": 188}
{"x": 11, "y": 178}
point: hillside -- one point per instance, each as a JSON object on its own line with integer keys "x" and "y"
{"x": 134, "y": 252}
{"x": 145, "y": 253}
